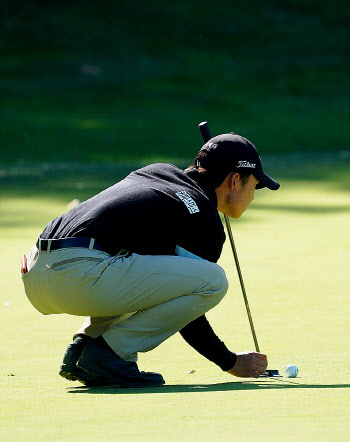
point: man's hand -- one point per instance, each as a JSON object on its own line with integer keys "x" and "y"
{"x": 249, "y": 364}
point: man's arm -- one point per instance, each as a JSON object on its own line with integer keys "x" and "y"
{"x": 202, "y": 338}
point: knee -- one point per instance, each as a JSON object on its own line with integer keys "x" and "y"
{"x": 219, "y": 283}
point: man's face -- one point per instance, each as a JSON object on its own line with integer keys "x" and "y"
{"x": 238, "y": 198}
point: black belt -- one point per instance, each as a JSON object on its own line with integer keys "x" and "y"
{"x": 45, "y": 245}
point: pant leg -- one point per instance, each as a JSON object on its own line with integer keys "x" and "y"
{"x": 147, "y": 328}
{"x": 167, "y": 292}
{"x": 94, "y": 326}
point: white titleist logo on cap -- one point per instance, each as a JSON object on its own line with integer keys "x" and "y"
{"x": 246, "y": 164}
{"x": 188, "y": 200}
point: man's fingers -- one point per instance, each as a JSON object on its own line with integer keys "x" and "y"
{"x": 262, "y": 364}
{"x": 259, "y": 364}
{"x": 261, "y": 356}
{"x": 249, "y": 364}
{"x": 261, "y": 368}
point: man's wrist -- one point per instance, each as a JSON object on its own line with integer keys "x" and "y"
{"x": 229, "y": 362}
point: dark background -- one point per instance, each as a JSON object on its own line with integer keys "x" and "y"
{"x": 97, "y": 81}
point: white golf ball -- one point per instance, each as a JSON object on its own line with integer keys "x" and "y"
{"x": 292, "y": 371}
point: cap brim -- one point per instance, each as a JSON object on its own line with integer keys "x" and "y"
{"x": 266, "y": 181}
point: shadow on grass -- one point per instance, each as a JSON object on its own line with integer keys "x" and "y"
{"x": 196, "y": 388}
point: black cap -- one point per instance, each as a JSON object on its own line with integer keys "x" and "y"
{"x": 231, "y": 152}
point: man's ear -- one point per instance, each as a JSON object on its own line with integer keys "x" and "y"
{"x": 233, "y": 177}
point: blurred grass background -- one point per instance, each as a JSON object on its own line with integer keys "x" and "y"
{"x": 125, "y": 81}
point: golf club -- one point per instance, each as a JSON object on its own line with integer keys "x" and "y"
{"x": 205, "y": 132}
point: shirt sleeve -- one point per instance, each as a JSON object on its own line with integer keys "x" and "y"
{"x": 202, "y": 338}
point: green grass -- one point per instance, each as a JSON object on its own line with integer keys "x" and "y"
{"x": 293, "y": 248}
{"x": 91, "y": 89}
{"x": 115, "y": 81}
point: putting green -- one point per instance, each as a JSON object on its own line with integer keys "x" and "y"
{"x": 294, "y": 251}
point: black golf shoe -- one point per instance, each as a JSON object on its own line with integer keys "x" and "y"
{"x": 69, "y": 369}
{"x": 101, "y": 364}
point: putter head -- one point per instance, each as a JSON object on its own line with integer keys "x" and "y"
{"x": 271, "y": 374}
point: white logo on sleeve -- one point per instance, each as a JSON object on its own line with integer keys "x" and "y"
{"x": 189, "y": 202}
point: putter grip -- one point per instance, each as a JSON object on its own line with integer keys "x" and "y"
{"x": 204, "y": 130}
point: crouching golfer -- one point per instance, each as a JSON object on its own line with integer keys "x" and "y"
{"x": 139, "y": 260}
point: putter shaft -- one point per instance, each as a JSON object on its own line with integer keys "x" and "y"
{"x": 205, "y": 132}
{"x": 229, "y": 231}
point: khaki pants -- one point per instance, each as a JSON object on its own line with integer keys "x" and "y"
{"x": 135, "y": 302}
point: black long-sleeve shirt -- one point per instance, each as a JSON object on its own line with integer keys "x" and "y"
{"x": 150, "y": 212}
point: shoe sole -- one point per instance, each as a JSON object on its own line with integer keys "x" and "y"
{"x": 68, "y": 372}
{"x": 97, "y": 372}
{"x": 76, "y": 374}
